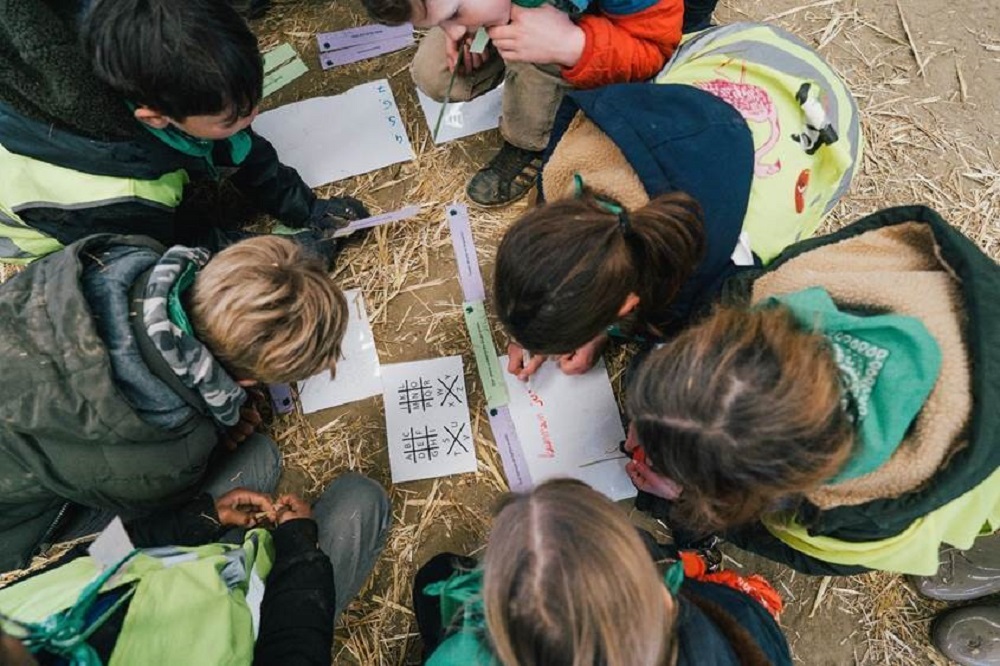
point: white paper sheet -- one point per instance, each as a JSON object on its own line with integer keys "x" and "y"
{"x": 427, "y": 419}
{"x": 566, "y": 421}
{"x": 331, "y": 138}
{"x": 463, "y": 118}
{"x": 358, "y": 372}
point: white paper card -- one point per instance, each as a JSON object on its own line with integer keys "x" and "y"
{"x": 111, "y": 545}
{"x": 358, "y": 371}
{"x": 566, "y": 423}
{"x": 427, "y": 419}
{"x": 331, "y": 138}
{"x": 463, "y": 119}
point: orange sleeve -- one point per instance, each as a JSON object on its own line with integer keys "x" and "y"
{"x": 626, "y": 47}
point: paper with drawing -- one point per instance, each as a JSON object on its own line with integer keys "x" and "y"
{"x": 331, "y": 138}
{"x": 564, "y": 422}
{"x": 358, "y": 373}
{"x": 427, "y": 419}
{"x": 463, "y": 119}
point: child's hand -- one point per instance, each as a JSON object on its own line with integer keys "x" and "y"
{"x": 584, "y": 358}
{"x": 291, "y": 507}
{"x": 470, "y": 61}
{"x": 243, "y": 508}
{"x": 517, "y": 365}
{"x": 246, "y": 426}
{"x": 540, "y": 35}
{"x": 646, "y": 480}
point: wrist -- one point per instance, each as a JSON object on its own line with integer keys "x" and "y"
{"x": 573, "y": 46}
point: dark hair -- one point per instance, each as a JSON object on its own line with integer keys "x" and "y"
{"x": 742, "y": 410}
{"x": 565, "y": 268}
{"x": 178, "y": 57}
{"x": 391, "y": 12}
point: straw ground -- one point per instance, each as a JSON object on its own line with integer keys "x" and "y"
{"x": 925, "y": 80}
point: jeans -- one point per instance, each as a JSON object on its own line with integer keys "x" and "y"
{"x": 353, "y": 516}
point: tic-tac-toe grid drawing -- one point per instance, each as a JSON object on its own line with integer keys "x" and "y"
{"x": 427, "y": 419}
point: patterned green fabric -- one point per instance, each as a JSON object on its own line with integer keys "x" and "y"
{"x": 190, "y": 360}
{"x": 888, "y": 366}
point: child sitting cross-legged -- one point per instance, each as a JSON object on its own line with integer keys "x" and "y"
{"x": 128, "y": 364}
{"x": 109, "y": 108}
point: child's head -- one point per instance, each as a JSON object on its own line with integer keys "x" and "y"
{"x": 568, "y": 580}
{"x": 448, "y": 14}
{"x": 193, "y": 64}
{"x": 569, "y": 269}
{"x": 268, "y": 311}
{"x": 742, "y": 410}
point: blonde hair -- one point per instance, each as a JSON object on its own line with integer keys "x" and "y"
{"x": 568, "y": 581}
{"x": 268, "y": 311}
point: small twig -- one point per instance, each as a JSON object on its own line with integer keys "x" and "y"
{"x": 961, "y": 82}
{"x": 795, "y": 10}
{"x": 820, "y": 594}
{"x": 913, "y": 44}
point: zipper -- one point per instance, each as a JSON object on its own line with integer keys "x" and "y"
{"x": 43, "y": 543}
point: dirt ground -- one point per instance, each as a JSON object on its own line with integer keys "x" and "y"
{"x": 927, "y": 91}
{"x": 929, "y": 95}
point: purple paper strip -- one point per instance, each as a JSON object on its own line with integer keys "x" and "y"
{"x": 469, "y": 275}
{"x": 329, "y": 41}
{"x": 363, "y": 52}
{"x": 378, "y": 220}
{"x": 281, "y": 398}
{"x": 515, "y": 467}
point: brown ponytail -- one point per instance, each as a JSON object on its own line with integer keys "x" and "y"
{"x": 742, "y": 410}
{"x": 564, "y": 269}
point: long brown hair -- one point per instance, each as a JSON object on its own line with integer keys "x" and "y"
{"x": 564, "y": 269}
{"x": 742, "y": 410}
{"x": 569, "y": 582}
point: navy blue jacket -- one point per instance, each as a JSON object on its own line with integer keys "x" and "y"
{"x": 677, "y": 137}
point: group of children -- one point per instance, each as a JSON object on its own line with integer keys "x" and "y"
{"x": 823, "y": 402}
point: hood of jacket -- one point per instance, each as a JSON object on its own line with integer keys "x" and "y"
{"x": 910, "y": 261}
{"x": 66, "y": 431}
{"x": 46, "y": 76}
{"x": 634, "y": 141}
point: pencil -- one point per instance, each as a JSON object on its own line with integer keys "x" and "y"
{"x": 447, "y": 94}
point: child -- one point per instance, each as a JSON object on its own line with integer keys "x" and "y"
{"x": 844, "y": 422}
{"x": 125, "y": 364}
{"x": 197, "y": 609}
{"x": 566, "y": 579}
{"x": 539, "y": 50}
{"x": 105, "y": 138}
{"x": 731, "y": 97}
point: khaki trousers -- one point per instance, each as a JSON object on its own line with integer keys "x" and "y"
{"x": 531, "y": 95}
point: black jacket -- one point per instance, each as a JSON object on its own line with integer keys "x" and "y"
{"x": 53, "y": 110}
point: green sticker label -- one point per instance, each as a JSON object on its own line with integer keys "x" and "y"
{"x": 487, "y": 361}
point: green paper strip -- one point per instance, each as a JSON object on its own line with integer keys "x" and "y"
{"x": 279, "y": 55}
{"x": 480, "y": 41}
{"x": 487, "y": 361}
{"x": 284, "y": 75}
{"x": 280, "y": 229}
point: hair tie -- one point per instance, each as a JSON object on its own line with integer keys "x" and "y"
{"x": 624, "y": 224}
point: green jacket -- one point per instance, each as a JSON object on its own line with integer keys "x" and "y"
{"x": 971, "y": 463}
{"x": 67, "y": 435}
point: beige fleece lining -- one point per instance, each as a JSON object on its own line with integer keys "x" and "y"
{"x": 898, "y": 269}
{"x": 586, "y": 150}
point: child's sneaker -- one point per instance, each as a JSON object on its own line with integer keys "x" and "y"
{"x": 508, "y": 177}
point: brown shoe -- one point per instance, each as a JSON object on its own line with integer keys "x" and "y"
{"x": 970, "y": 635}
{"x": 508, "y": 177}
{"x": 964, "y": 574}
